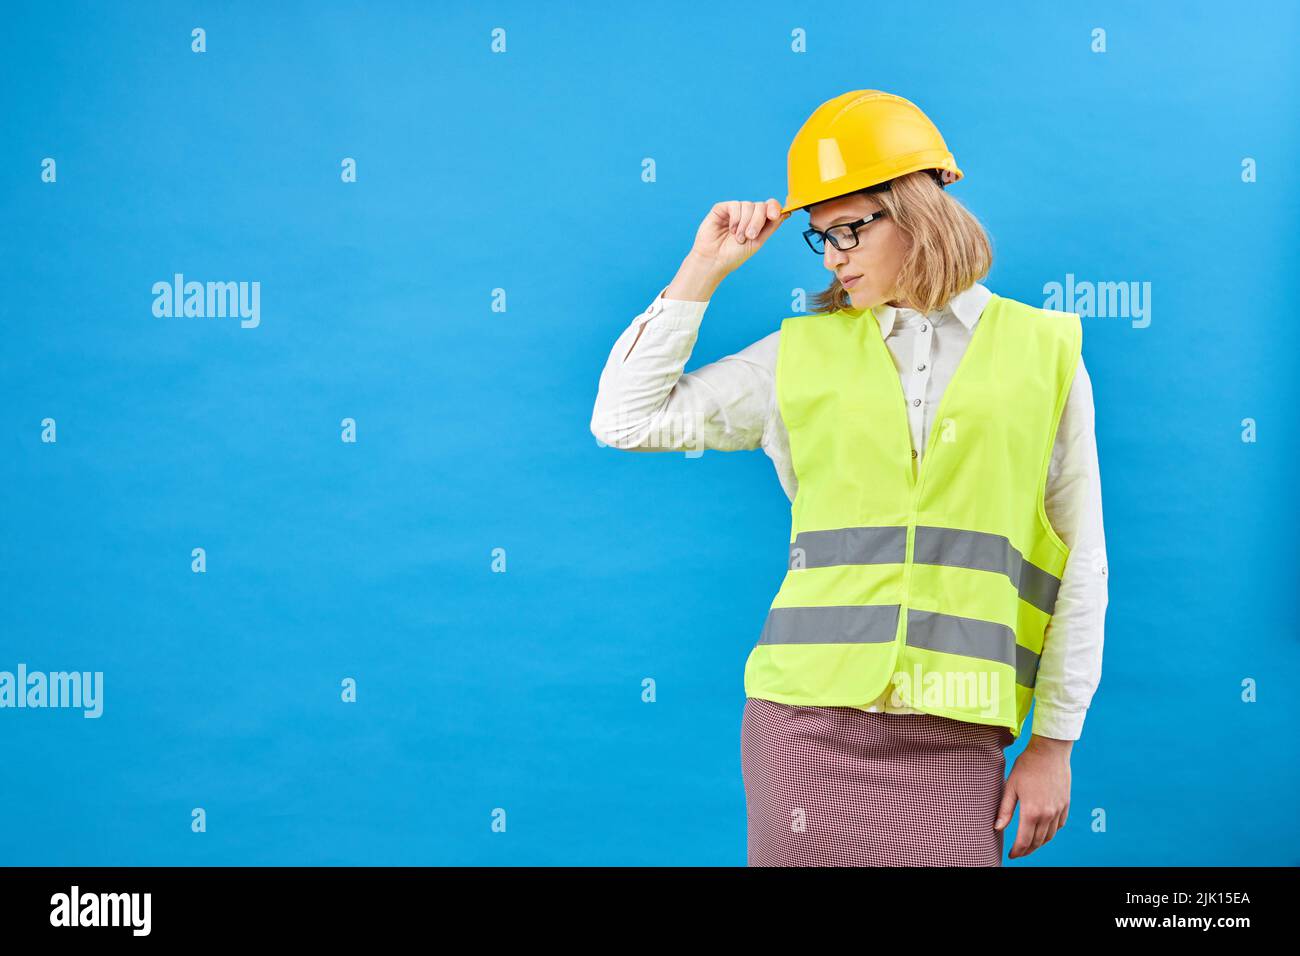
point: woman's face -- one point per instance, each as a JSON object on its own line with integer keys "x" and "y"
{"x": 877, "y": 259}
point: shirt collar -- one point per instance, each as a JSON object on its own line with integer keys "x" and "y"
{"x": 966, "y": 306}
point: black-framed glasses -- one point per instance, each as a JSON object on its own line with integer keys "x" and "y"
{"x": 844, "y": 236}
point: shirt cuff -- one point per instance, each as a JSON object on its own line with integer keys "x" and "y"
{"x": 1054, "y": 722}
{"x": 682, "y": 314}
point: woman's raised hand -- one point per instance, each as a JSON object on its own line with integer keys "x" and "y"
{"x": 734, "y": 230}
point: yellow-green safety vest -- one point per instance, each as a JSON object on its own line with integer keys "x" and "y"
{"x": 940, "y": 580}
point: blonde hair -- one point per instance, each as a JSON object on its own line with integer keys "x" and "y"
{"x": 947, "y": 248}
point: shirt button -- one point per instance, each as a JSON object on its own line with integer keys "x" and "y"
{"x": 924, "y": 327}
{"x": 913, "y": 452}
{"x": 916, "y": 401}
{"x": 921, "y": 367}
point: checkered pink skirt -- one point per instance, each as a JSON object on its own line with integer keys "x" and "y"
{"x": 837, "y": 786}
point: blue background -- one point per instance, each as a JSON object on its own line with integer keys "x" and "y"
{"x": 522, "y": 171}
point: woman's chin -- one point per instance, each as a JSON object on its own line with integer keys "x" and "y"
{"x": 859, "y": 299}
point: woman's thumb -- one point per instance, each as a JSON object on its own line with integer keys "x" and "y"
{"x": 1007, "y": 807}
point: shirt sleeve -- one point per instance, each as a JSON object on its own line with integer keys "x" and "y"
{"x": 645, "y": 402}
{"x": 1070, "y": 665}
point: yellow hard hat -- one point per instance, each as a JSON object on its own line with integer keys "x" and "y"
{"x": 863, "y": 138}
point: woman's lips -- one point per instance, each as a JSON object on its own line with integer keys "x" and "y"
{"x": 848, "y": 281}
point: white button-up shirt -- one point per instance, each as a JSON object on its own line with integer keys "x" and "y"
{"x": 645, "y": 402}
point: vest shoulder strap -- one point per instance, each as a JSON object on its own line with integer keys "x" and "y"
{"x": 1063, "y": 330}
{"x": 1051, "y": 327}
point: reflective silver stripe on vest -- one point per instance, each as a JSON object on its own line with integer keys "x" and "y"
{"x": 878, "y": 624}
{"x": 987, "y": 552}
{"x": 843, "y": 624}
{"x": 950, "y": 547}
{"x": 823, "y": 549}
{"x": 971, "y": 637}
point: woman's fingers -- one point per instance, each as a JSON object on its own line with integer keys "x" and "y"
{"x": 757, "y": 220}
{"x": 743, "y": 220}
{"x": 733, "y": 216}
{"x": 774, "y": 218}
{"x": 757, "y": 216}
{"x": 749, "y": 222}
{"x": 767, "y": 217}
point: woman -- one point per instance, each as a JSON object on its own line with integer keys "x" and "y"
{"x": 924, "y": 608}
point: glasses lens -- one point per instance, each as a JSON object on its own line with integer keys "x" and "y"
{"x": 842, "y": 236}
{"x": 815, "y": 241}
